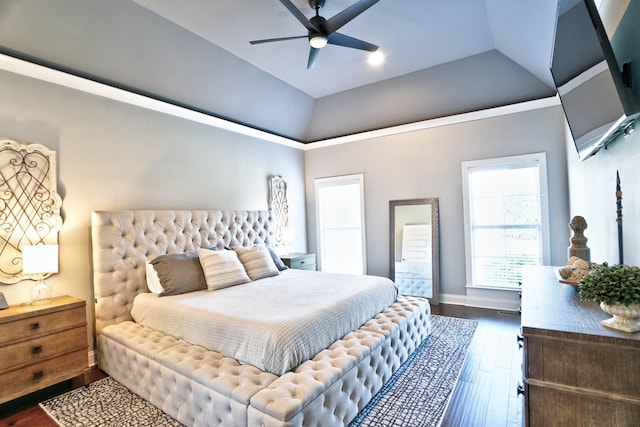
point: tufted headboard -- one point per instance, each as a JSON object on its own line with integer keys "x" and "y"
{"x": 123, "y": 241}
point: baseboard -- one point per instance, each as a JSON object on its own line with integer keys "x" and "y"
{"x": 510, "y": 302}
{"x": 93, "y": 358}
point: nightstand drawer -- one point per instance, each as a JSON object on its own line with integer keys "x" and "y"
{"x": 45, "y": 347}
{"x": 300, "y": 261}
{"x": 41, "y": 325}
{"x": 305, "y": 266}
{"x": 41, "y": 345}
{"x": 22, "y": 381}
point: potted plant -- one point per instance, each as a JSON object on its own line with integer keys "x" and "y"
{"x": 617, "y": 289}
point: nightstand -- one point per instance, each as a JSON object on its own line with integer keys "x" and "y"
{"x": 42, "y": 345}
{"x": 299, "y": 261}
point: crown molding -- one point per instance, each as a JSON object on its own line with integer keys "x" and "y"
{"x": 443, "y": 121}
{"x": 61, "y": 78}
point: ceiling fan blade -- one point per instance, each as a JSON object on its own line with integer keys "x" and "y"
{"x": 346, "y": 41}
{"x": 299, "y": 15}
{"x": 313, "y": 57}
{"x": 279, "y": 39}
{"x": 337, "y": 21}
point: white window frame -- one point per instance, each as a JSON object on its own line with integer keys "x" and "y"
{"x": 501, "y": 163}
{"x": 341, "y": 180}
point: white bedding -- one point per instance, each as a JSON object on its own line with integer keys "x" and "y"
{"x": 274, "y": 323}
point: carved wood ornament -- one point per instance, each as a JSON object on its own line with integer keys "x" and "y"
{"x": 278, "y": 205}
{"x": 29, "y": 204}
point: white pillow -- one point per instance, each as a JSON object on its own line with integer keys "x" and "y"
{"x": 153, "y": 281}
{"x": 222, "y": 269}
{"x": 257, "y": 261}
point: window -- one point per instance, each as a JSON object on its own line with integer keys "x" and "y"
{"x": 506, "y": 218}
{"x": 340, "y": 224}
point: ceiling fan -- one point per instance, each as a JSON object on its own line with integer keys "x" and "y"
{"x": 322, "y": 31}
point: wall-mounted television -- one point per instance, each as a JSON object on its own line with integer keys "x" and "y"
{"x": 596, "y": 69}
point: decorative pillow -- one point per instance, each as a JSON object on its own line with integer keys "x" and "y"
{"x": 276, "y": 259}
{"x": 179, "y": 273}
{"x": 153, "y": 281}
{"x": 257, "y": 261}
{"x": 222, "y": 269}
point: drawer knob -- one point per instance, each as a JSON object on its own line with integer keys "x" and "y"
{"x": 35, "y": 326}
{"x": 36, "y": 349}
{"x": 37, "y": 375}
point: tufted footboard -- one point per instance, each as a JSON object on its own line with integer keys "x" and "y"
{"x": 203, "y": 388}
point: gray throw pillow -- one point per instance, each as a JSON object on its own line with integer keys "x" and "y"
{"x": 179, "y": 273}
{"x": 276, "y": 259}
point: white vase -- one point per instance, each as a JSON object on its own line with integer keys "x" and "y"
{"x": 623, "y": 317}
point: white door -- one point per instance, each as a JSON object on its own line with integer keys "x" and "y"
{"x": 340, "y": 224}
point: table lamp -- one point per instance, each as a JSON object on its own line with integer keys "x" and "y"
{"x": 40, "y": 260}
{"x": 288, "y": 236}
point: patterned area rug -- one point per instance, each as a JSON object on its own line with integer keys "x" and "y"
{"x": 105, "y": 403}
{"x": 417, "y": 394}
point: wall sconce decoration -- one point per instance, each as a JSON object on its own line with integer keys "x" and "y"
{"x": 29, "y": 205}
{"x": 278, "y": 205}
{"x": 40, "y": 260}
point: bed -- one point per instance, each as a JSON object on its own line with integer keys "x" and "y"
{"x": 199, "y": 386}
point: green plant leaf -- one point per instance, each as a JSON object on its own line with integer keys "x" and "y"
{"x": 618, "y": 283}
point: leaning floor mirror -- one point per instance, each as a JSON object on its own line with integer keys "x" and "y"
{"x": 414, "y": 255}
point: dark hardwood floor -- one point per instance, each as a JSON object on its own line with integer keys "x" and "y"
{"x": 484, "y": 396}
{"x": 25, "y": 412}
{"x": 486, "y": 393}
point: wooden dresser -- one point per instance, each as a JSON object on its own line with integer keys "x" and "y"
{"x": 576, "y": 371}
{"x": 41, "y": 345}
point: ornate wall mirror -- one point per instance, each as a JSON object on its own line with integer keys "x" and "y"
{"x": 414, "y": 247}
{"x": 29, "y": 204}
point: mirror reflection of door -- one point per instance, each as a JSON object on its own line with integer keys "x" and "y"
{"x": 414, "y": 248}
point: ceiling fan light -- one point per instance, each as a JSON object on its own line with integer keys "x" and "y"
{"x": 375, "y": 58}
{"x": 318, "y": 41}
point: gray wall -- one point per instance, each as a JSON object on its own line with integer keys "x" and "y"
{"x": 116, "y": 156}
{"x": 593, "y": 184}
{"x": 427, "y": 163}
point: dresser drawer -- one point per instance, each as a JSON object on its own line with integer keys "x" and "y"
{"x": 42, "y": 348}
{"x": 301, "y": 262}
{"x": 39, "y": 375}
{"x": 42, "y": 324}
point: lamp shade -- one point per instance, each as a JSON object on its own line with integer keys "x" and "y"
{"x": 39, "y": 259}
{"x": 288, "y": 234}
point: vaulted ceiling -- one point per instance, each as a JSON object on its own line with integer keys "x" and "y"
{"x": 442, "y": 57}
{"x": 413, "y": 34}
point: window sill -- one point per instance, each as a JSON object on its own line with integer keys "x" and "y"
{"x": 496, "y": 288}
